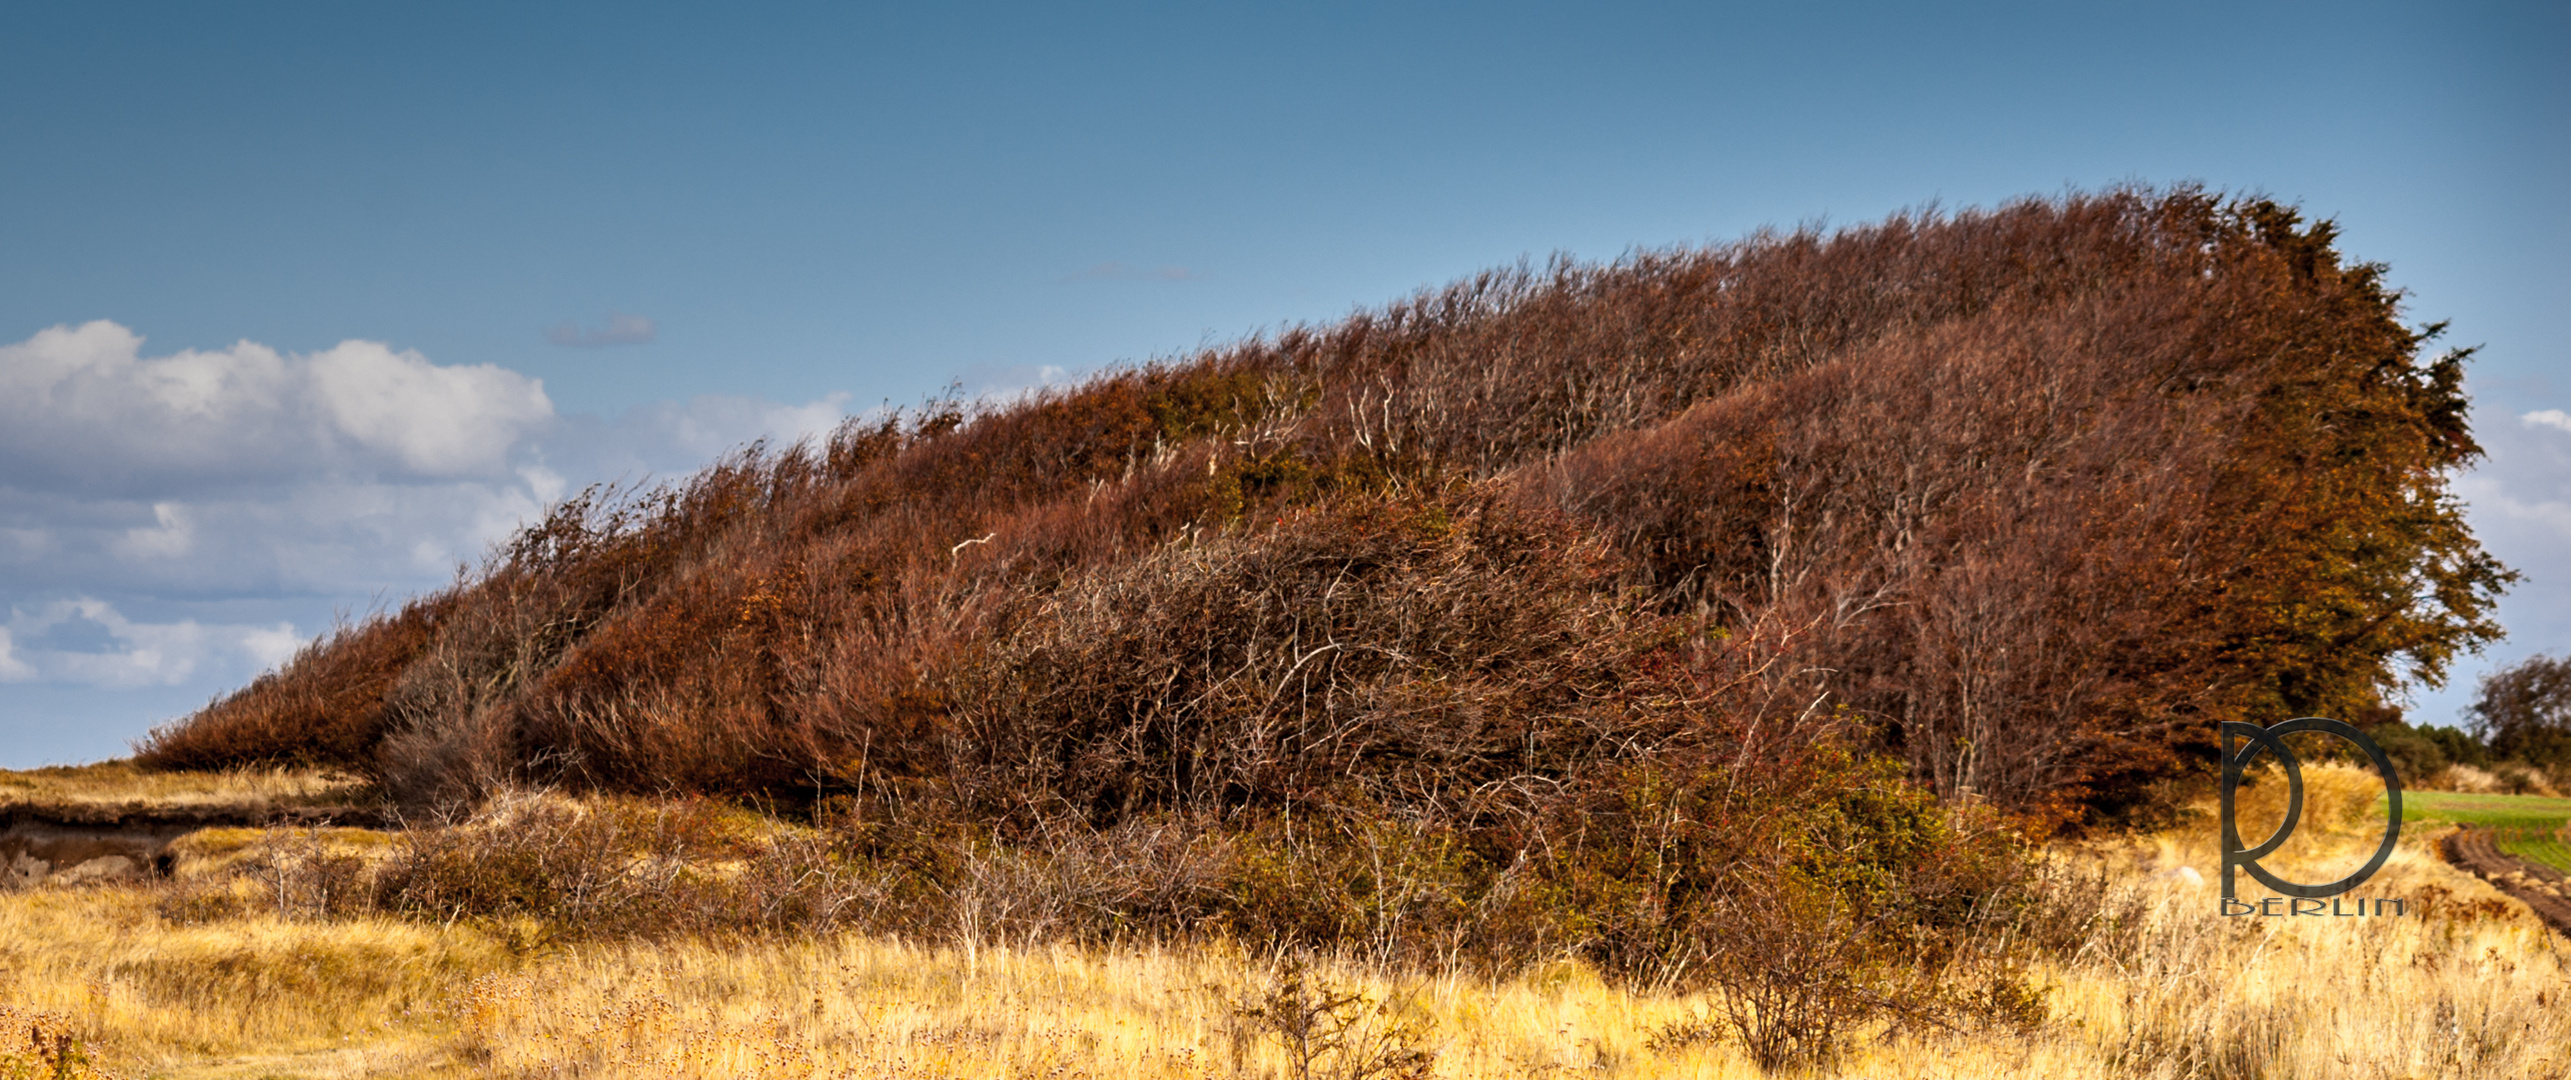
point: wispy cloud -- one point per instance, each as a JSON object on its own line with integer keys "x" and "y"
{"x": 13, "y": 669}
{"x": 621, "y": 329}
{"x": 1116, "y": 271}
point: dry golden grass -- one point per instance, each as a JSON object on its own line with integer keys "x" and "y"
{"x": 861, "y": 1007}
{"x": 154, "y": 996}
{"x": 120, "y": 787}
{"x": 2470, "y": 986}
{"x": 2179, "y": 992}
{"x": 2163, "y": 987}
{"x": 220, "y": 852}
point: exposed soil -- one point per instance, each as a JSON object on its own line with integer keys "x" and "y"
{"x": 2538, "y": 886}
{"x": 65, "y": 844}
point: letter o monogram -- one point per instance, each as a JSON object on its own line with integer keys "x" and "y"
{"x": 2272, "y": 739}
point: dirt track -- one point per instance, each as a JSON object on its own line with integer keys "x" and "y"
{"x": 2538, "y": 886}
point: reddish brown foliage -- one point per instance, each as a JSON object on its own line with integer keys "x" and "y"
{"x": 326, "y": 706}
{"x": 2036, "y": 494}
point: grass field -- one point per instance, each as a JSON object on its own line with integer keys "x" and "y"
{"x": 134, "y": 979}
{"x": 2529, "y": 826}
{"x": 82, "y": 791}
{"x": 2165, "y": 990}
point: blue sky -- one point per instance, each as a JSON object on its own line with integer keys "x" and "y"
{"x": 376, "y": 281}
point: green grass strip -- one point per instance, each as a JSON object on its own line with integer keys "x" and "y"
{"x": 2529, "y": 826}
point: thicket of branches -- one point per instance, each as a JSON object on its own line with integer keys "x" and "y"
{"x": 1601, "y": 584}
{"x": 2037, "y": 493}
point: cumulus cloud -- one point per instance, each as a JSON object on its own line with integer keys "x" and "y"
{"x": 621, "y": 329}
{"x": 351, "y": 472}
{"x": 665, "y": 440}
{"x": 82, "y": 409}
{"x": 437, "y": 421}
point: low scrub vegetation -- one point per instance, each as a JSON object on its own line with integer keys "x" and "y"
{"x": 1815, "y": 911}
{"x": 615, "y": 960}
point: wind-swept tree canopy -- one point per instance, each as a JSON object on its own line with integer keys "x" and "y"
{"x": 2031, "y": 498}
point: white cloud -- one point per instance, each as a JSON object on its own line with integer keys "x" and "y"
{"x": 168, "y": 521}
{"x": 88, "y": 642}
{"x": 246, "y": 471}
{"x": 82, "y": 409}
{"x": 328, "y": 537}
{"x": 439, "y": 421}
{"x": 543, "y": 483}
{"x": 346, "y": 534}
{"x": 270, "y": 647}
{"x": 2520, "y": 494}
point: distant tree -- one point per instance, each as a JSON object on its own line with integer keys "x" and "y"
{"x": 2419, "y": 753}
{"x": 2524, "y": 711}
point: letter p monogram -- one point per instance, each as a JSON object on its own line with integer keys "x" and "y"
{"x": 2271, "y": 739}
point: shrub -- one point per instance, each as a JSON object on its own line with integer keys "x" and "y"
{"x": 1331, "y": 1032}
{"x": 1814, "y": 887}
{"x": 1384, "y": 889}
